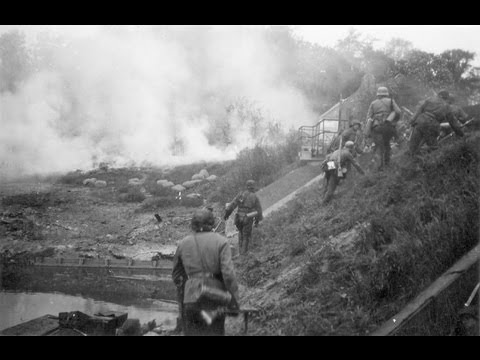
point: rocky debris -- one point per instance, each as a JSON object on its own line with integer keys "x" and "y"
{"x": 165, "y": 183}
{"x": 191, "y": 183}
{"x": 194, "y": 196}
{"x": 17, "y": 224}
{"x": 212, "y": 178}
{"x": 100, "y": 183}
{"x": 89, "y": 182}
{"x": 135, "y": 181}
{"x": 178, "y": 187}
{"x": 204, "y": 173}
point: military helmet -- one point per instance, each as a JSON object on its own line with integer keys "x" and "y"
{"x": 250, "y": 184}
{"x": 349, "y": 144}
{"x": 203, "y": 220}
{"x": 355, "y": 122}
{"x": 444, "y": 94}
{"x": 382, "y": 91}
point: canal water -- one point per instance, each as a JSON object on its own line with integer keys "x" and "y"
{"x": 19, "y": 307}
{"x": 29, "y": 292}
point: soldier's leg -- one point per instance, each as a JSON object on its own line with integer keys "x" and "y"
{"x": 247, "y": 235}
{"x": 332, "y": 185}
{"x": 390, "y": 133}
{"x": 431, "y": 134}
{"x": 194, "y": 324}
{"x": 377, "y": 137}
{"x": 181, "y": 310}
{"x": 218, "y": 326}
{"x": 241, "y": 238}
{"x": 239, "y": 226}
{"x": 326, "y": 181}
{"x": 415, "y": 140}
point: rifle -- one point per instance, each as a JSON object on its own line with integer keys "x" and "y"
{"x": 411, "y": 115}
{"x": 451, "y": 134}
{"x": 210, "y": 316}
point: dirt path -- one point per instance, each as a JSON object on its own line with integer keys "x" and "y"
{"x": 287, "y": 184}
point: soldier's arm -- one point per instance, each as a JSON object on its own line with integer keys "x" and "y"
{"x": 417, "y": 113}
{"x": 231, "y": 207}
{"x": 259, "y": 216}
{"x": 370, "y": 112}
{"x": 179, "y": 274}
{"x": 355, "y": 164}
{"x": 452, "y": 120}
{"x": 463, "y": 115}
{"x": 396, "y": 108}
{"x": 228, "y": 271}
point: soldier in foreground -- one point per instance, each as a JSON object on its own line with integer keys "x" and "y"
{"x": 427, "y": 119}
{"x": 336, "y": 167}
{"x": 203, "y": 263}
{"x": 249, "y": 213}
{"x": 381, "y": 119}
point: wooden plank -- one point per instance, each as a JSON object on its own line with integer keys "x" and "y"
{"x": 37, "y": 327}
{"x": 426, "y": 297}
{"x": 103, "y": 263}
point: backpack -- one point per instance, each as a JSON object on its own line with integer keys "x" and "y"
{"x": 393, "y": 117}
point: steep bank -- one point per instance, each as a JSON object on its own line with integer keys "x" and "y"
{"x": 345, "y": 268}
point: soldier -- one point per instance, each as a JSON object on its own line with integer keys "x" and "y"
{"x": 353, "y": 133}
{"x": 204, "y": 257}
{"x": 427, "y": 119}
{"x": 336, "y": 166}
{"x": 249, "y": 213}
{"x": 382, "y": 114}
{"x": 459, "y": 114}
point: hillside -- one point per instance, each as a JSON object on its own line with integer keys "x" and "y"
{"x": 345, "y": 268}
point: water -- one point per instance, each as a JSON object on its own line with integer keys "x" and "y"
{"x": 18, "y": 307}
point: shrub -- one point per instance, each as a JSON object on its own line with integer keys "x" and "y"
{"x": 133, "y": 194}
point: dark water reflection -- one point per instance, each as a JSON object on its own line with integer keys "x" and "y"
{"x": 29, "y": 292}
{"x": 16, "y": 308}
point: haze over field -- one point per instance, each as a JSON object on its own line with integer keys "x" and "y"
{"x": 142, "y": 95}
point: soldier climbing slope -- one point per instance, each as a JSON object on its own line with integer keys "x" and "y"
{"x": 427, "y": 119}
{"x": 353, "y": 133}
{"x": 249, "y": 213}
{"x": 381, "y": 118}
{"x": 336, "y": 166}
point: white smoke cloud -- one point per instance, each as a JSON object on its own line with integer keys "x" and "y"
{"x": 122, "y": 95}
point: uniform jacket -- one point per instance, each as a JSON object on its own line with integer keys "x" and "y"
{"x": 247, "y": 202}
{"x": 348, "y": 135}
{"x": 459, "y": 113}
{"x": 439, "y": 110}
{"x": 346, "y": 159}
{"x": 217, "y": 260}
{"x": 380, "y": 109}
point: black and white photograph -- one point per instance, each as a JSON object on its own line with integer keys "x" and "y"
{"x": 239, "y": 180}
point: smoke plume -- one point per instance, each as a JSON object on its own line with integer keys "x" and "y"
{"x": 144, "y": 96}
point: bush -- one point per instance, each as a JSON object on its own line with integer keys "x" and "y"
{"x": 158, "y": 203}
{"x": 72, "y": 178}
{"x": 158, "y": 190}
{"x": 133, "y": 194}
{"x": 264, "y": 164}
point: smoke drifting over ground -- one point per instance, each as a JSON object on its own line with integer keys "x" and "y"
{"x": 144, "y": 95}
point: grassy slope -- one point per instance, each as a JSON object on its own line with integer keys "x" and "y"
{"x": 350, "y": 266}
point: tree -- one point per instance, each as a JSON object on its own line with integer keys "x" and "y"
{"x": 398, "y": 49}
{"x": 15, "y": 60}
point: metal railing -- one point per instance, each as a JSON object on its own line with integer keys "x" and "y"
{"x": 317, "y": 138}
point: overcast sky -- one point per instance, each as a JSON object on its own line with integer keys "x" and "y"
{"x": 430, "y": 38}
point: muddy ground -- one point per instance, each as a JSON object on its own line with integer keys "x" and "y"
{"x": 48, "y": 217}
